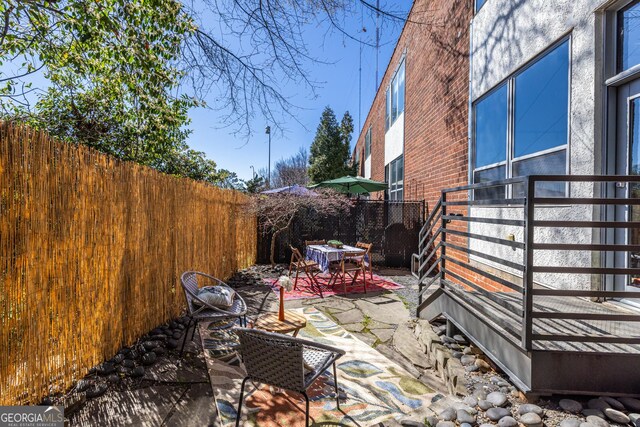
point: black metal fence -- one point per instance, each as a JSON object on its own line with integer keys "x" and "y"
{"x": 393, "y": 228}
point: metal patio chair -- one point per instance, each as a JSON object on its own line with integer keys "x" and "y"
{"x": 285, "y": 362}
{"x": 201, "y": 311}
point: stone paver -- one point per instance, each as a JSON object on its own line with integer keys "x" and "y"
{"x": 407, "y": 344}
{"x": 386, "y": 312}
{"x": 351, "y": 316}
{"x": 383, "y": 335}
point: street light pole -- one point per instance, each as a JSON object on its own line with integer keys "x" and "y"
{"x": 253, "y": 172}
{"x": 267, "y": 130}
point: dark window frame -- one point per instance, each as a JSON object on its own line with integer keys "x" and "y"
{"x": 509, "y": 161}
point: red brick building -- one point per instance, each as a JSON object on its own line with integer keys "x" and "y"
{"x": 418, "y": 122}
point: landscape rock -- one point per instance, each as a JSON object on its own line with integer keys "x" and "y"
{"x": 137, "y": 372}
{"x": 571, "y": 405}
{"x": 495, "y": 414}
{"x": 614, "y": 403}
{"x": 484, "y": 404}
{"x": 446, "y": 424}
{"x": 149, "y": 358}
{"x": 617, "y": 416}
{"x": 586, "y": 425}
{"x": 171, "y": 343}
{"x": 497, "y": 398}
{"x": 597, "y": 412}
{"x": 467, "y": 359}
{"x": 598, "y": 404}
{"x": 113, "y": 378}
{"x": 465, "y": 425}
{"x": 529, "y": 407}
{"x": 448, "y": 414}
{"x": 124, "y": 370}
{"x": 531, "y": 420}
{"x": 457, "y": 354}
{"x": 597, "y": 421}
{"x": 633, "y": 405}
{"x": 470, "y": 401}
{"x": 82, "y": 385}
{"x": 507, "y": 421}
{"x": 463, "y": 416}
{"x": 570, "y": 422}
{"x": 482, "y": 365}
{"x": 460, "y": 339}
{"x": 106, "y": 368}
{"x": 471, "y": 368}
{"x": 406, "y": 343}
{"x": 96, "y": 390}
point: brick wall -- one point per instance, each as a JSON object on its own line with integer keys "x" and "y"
{"x": 436, "y": 42}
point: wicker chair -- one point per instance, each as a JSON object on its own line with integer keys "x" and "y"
{"x": 200, "y": 310}
{"x": 279, "y": 360}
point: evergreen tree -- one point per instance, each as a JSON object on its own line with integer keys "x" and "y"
{"x": 330, "y": 149}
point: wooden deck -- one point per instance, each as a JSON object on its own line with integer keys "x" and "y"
{"x": 554, "y": 304}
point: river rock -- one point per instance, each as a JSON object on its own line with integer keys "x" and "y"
{"x": 113, "y": 378}
{"x": 96, "y": 390}
{"x": 484, "y": 404}
{"x": 471, "y": 368}
{"x": 597, "y": 421}
{"x": 614, "y": 403}
{"x": 106, "y": 368}
{"x": 118, "y": 358}
{"x": 467, "y": 359}
{"x": 507, "y": 422}
{"x": 598, "y": 404}
{"x": 617, "y": 416}
{"x": 633, "y": 405}
{"x": 457, "y": 354}
{"x": 470, "y": 401}
{"x": 137, "y": 372}
{"x": 570, "y": 422}
{"x": 571, "y": 405}
{"x": 171, "y": 343}
{"x": 460, "y": 339}
{"x": 495, "y": 414}
{"x": 497, "y": 398}
{"x": 597, "y": 412}
{"x": 529, "y": 407}
{"x": 531, "y": 420}
{"x": 463, "y": 416}
{"x": 635, "y": 419}
{"x": 482, "y": 365}
{"x": 82, "y": 385}
{"x": 446, "y": 424}
{"x": 586, "y": 425}
{"x": 448, "y": 414}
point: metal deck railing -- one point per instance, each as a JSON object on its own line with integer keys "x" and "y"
{"x": 522, "y": 314}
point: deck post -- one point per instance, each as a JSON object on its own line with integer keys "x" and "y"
{"x": 443, "y": 236}
{"x": 527, "y": 275}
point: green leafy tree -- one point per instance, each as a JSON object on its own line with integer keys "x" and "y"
{"x": 330, "y": 150}
{"x": 255, "y": 184}
{"x": 110, "y": 64}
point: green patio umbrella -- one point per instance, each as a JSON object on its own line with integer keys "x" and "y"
{"x": 353, "y": 185}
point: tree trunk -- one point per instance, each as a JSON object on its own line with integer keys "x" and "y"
{"x": 274, "y": 237}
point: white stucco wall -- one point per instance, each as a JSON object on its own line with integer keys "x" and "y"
{"x": 367, "y": 168}
{"x": 394, "y": 140}
{"x": 506, "y": 35}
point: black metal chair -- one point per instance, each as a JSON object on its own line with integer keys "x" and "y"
{"x": 286, "y": 362}
{"x": 199, "y": 310}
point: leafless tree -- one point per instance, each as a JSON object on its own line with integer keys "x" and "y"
{"x": 276, "y": 211}
{"x": 291, "y": 171}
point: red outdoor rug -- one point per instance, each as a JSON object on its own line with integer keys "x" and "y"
{"x": 304, "y": 290}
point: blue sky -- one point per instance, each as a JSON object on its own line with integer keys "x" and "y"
{"x": 337, "y": 74}
{"x": 339, "y": 90}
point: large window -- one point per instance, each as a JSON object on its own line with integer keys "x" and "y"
{"x": 628, "y": 37}
{"x": 367, "y": 143}
{"x": 394, "y": 176}
{"x": 395, "y": 96}
{"x": 521, "y": 127}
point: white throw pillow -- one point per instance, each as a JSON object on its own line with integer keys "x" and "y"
{"x": 216, "y": 296}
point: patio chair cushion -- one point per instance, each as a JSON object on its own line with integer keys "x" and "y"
{"x": 216, "y": 296}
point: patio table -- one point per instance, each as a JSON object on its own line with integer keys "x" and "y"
{"x": 325, "y": 254}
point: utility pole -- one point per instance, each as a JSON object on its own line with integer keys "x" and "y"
{"x": 267, "y": 130}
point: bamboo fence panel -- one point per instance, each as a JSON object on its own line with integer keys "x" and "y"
{"x": 91, "y": 249}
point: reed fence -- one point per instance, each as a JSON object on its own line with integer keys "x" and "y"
{"x": 91, "y": 249}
